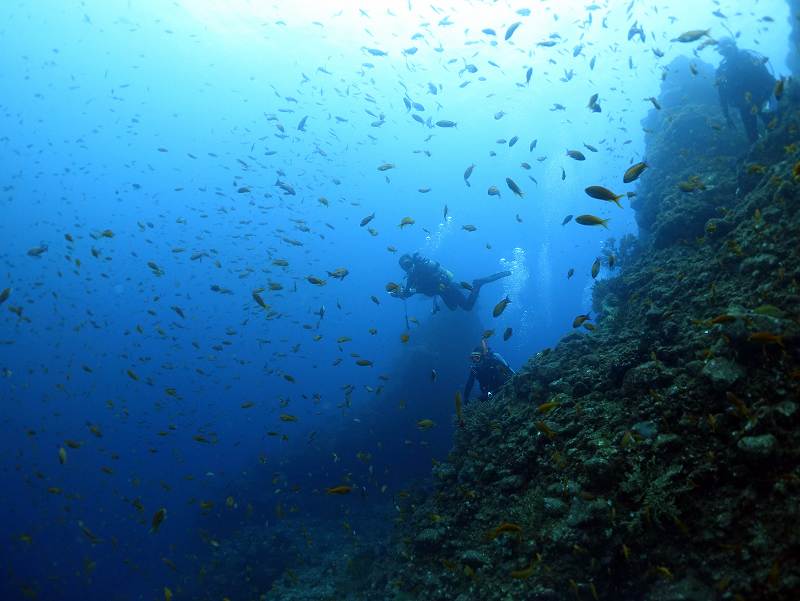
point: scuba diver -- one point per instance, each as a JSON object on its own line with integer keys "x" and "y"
{"x": 490, "y": 369}
{"x": 744, "y": 83}
{"x": 428, "y": 277}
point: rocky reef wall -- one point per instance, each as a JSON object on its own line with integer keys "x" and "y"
{"x": 655, "y": 457}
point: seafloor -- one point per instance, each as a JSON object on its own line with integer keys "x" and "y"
{"x": 655, "y": 457}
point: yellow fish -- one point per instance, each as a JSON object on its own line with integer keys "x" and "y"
{"x": 591, "y": 220}
{"x": 547, "y": 407}
{"x": 259, "y": 300}
{"x": 633, "y": 172}
{"x": 158, "y": 518}
{"x": 595, "y": 268}
{"x": 501, "y": 306}
{"x": 601, "y": 193}
{"x": 576, "y": 323}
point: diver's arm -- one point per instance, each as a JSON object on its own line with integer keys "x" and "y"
{"x": 470, "y": 384}
{"x": 504, "y": 362}
{"x": 407, "y": 291}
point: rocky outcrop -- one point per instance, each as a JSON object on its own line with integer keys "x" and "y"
{"x": 657, "y": 456}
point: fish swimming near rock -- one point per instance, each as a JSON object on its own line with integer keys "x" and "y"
{"x": 591, "y": 220}
{"x": 578, "y": 321}
{"x": 655, "y": 103}
{"x": 601, "y": 193}
{"x": 633, "y": 172}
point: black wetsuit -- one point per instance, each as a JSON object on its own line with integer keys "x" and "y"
{"x": 492, "y": 372}
{"x": 427, "y": 277}
{"x": 744, "y": 83}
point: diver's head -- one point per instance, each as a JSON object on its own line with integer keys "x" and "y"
{"x": 727, "y": 47}
{"x": 406, "y": 262}
{"x": 476, "y": 356}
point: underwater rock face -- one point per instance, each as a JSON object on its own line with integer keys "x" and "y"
{"x": 759, "y": 446}
{"x": 676, "y": 203}
{"x": 644, "y": 460}
{"x": 655, "y": 457}
{"x": 723, "y": 373}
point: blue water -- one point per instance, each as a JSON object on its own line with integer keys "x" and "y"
{"x": 146, "y": 119}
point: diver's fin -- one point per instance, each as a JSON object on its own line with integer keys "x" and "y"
{"x": 491, "y": 278}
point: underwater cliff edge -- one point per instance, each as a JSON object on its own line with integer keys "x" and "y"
{"x": 655, "y": 457}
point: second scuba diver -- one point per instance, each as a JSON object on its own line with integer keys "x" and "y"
{"x": 489, "y": 368}
{"x": 744, "y": 83}
{"x": 428, "y": 277}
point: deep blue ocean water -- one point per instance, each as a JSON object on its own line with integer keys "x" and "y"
{"x": 140, "y": 147}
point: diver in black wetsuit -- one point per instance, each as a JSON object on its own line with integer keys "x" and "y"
{"x": 428, "y": 277}
{"x": 489, "y": 368}
{"x": 744, "y": 83}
